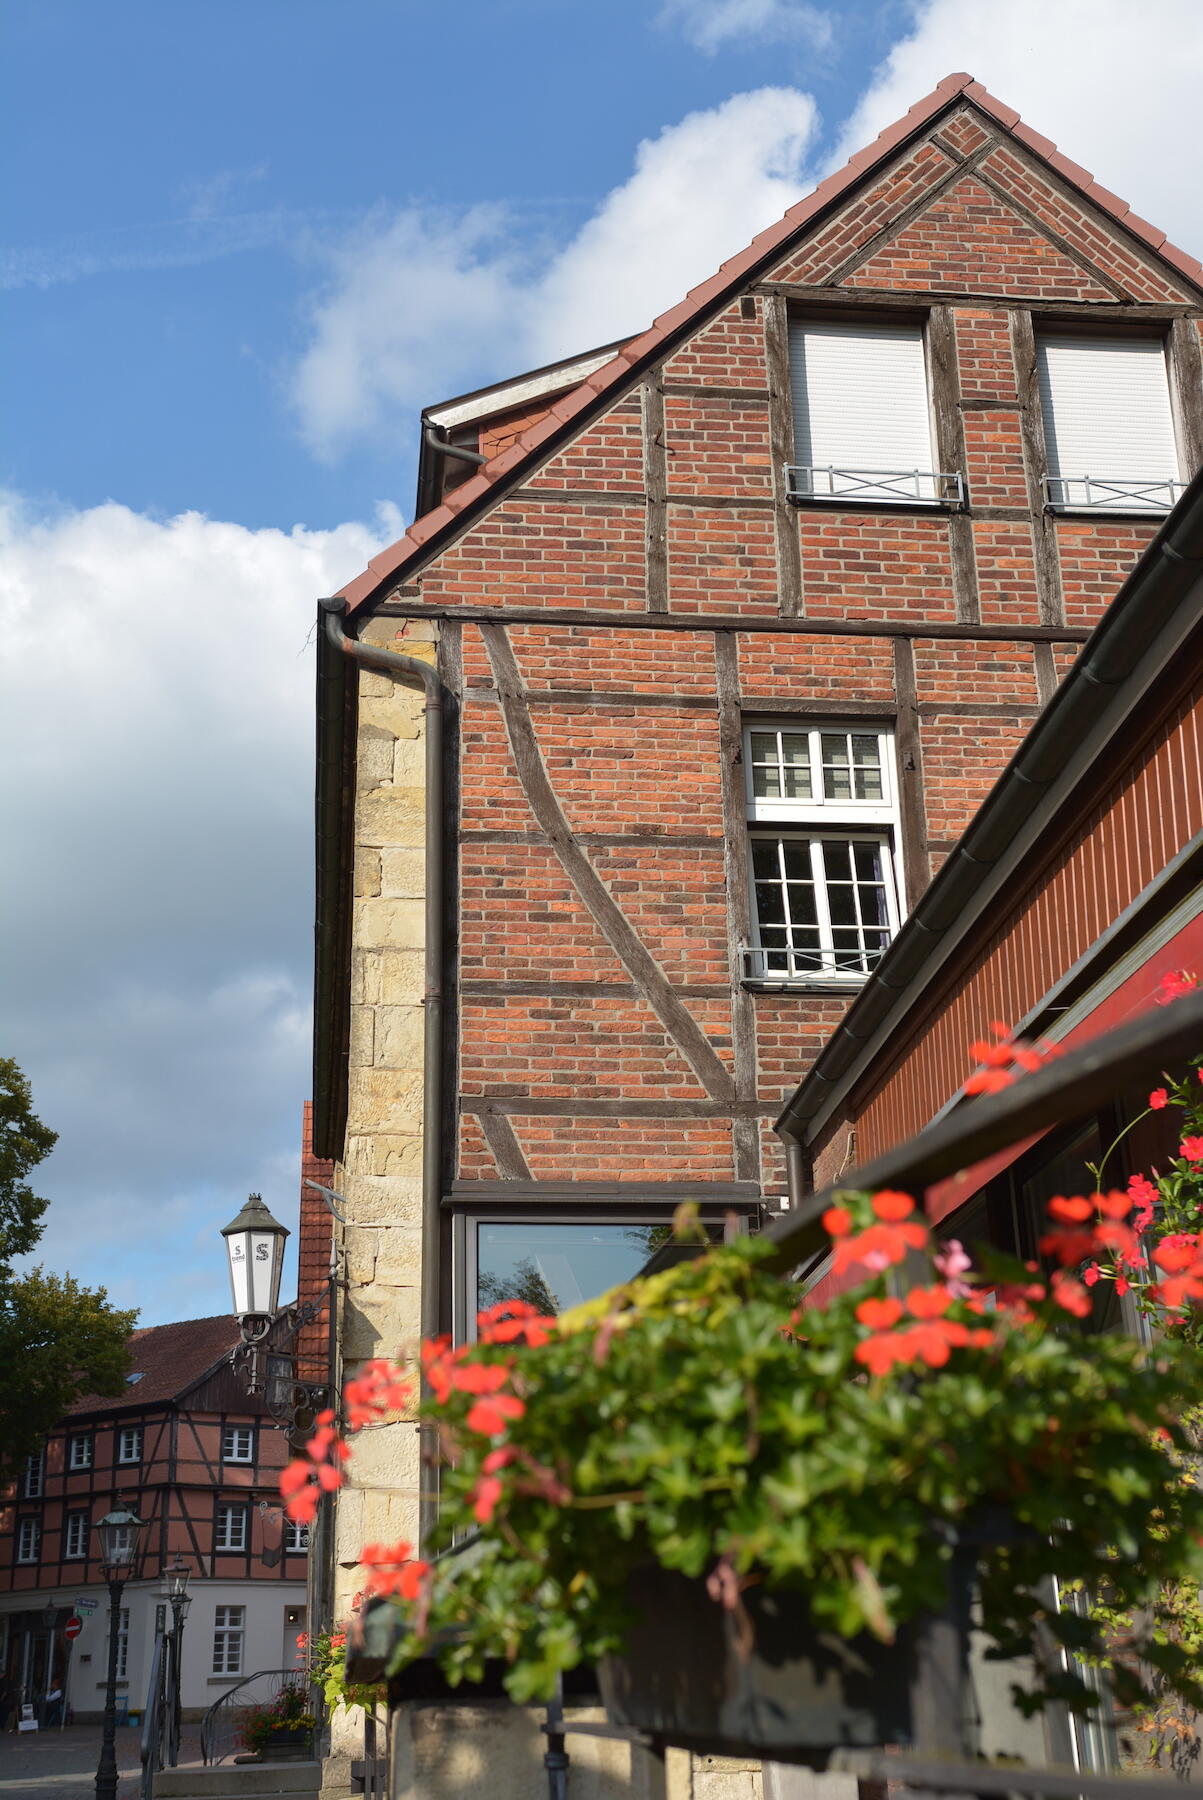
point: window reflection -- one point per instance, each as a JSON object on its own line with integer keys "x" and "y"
{"x": 557, "y": 1266}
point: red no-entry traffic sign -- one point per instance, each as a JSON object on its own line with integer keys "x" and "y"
{"x": 73, "y": 1627}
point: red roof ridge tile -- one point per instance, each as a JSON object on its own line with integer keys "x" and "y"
{"x": 390, "y": 562}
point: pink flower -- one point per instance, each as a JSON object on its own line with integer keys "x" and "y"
{"x": 1091, "y": 1274}
{"x": 1158, "y": 1098}
{"x": 952, "y": 1262}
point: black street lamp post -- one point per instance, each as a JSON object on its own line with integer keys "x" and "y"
{"x": 176, "y": 1575}
{"x": 119, "y": 1533}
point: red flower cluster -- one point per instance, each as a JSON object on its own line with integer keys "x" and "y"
{"x": 394, "y": 1570}
{"x": 931, "y": 1339}
{"x": 318, "y": 1472}
{"x": 448, "y": 1373}
{"x": 512, "y": 1322}
{"x": 380, "y": 1388}
{"x": 1181, "y": 1256}
{"x": 1000, "y": 1062}
{"x": 1174, "y": 983}
{"x": 878, "y": 1246}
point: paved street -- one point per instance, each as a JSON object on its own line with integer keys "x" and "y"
{"x": 61, "y": 1765}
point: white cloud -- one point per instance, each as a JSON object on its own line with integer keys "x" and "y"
{"x": 157, "y": 687}
{"x": 419, "y": 305}
{"x": 699, "y": 193}
{"x": 711, "y": 25}
{"x": 1114, "y": 85}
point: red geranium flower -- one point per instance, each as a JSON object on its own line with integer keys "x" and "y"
{"x": 1158, "y": 1098}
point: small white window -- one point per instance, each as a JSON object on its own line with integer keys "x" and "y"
{"x": 822, "y": 809}
{"x": 76, "y": 1544}
{"x": 1108, "y": 428}
{"x": 129, "y": 1444}
{"x": 862, "y": 420}
{"x": 35, "y": 1470}
{"x": 237, "y": 1443}
{"x": 229, "y": 1624}
{"x": 230, "y": 1532}
{"x": 29, "y": 1537}
{"x": 79, "y": 1454}
{"x": 123, "y": 1643}
{"x": 296, "y": 1537}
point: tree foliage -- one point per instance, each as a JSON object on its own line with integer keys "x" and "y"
{"x": 58, "y": 1340}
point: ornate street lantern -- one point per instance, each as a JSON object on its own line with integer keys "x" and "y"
{"x": 119, "y": 1532}
{"x": 255, "y": 1247}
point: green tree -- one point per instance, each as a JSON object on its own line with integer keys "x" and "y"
{"x": 58, "y": 1340}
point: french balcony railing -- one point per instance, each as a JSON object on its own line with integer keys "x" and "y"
{"x": 799, "y": 966}
{"x": 891, "y": 487}
{"x": 1093, "y": 493}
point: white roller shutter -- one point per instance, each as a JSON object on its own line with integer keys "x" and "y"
{"x": 1108, "y": 427}
{"x": 862, "y": 425}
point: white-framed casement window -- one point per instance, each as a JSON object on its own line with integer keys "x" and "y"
{"x": 1108, "y": 425}
{"x": 862, "y": 415}
{"x": 129, "y": 1444}
{"x": 823, "y": 825}
{"x": 79, "y": 1451}
{"x": 29, "y": 1538}
{"x": 229, "y": 1532}
{"x": 296, "y": 1537}
{"x": 34, "y": 1475}
{"x": 229, "y": 1630}
{"x": 75, "y": 1538}
{"x": 238, "y": 1443}
{"x": 123, "y": 1643}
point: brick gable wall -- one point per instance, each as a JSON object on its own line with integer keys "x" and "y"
{"x": 612, "y": 1037}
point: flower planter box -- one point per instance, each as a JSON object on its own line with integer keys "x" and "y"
{"x": 796, "y": 1694}
{"x": 288, "y": 1746}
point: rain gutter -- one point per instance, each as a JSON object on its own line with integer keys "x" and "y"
{"x": 331, "y": 844}
{"x": 1145, "y": 630}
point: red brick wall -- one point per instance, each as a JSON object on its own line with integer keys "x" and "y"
{"x": 550, "y": 1014}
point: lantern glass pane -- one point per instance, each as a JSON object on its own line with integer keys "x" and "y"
{"x": 238, "y": 1249}
{"x": 263, "y": 1244}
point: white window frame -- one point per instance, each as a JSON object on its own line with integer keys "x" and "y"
{"x": 869, "y": 482}
{"x": 29, "y": 1539}
{"x": 1131, "y": 488}
{"x": 231, "y": 1513}
{"x": 229, "y": 1636}
{"x": 296, "y": 1538}
{"x": 123, "y": 1643}
{"x": 232, "y": 1437}
{"x": 34, "y": 1480}
{"x": 817, "y": 820}
{"x": 79, "y": 1451}
{"x": 75, "y": 1537}
{"x": 129, "y": 1444}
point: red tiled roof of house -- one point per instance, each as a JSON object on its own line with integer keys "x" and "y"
{"x": 426, "y": 533}
{"x": 167, "y": 1359}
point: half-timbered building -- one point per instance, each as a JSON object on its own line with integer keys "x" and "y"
{"x": 712, "y": 644}
{"x": 198, "y": 1460}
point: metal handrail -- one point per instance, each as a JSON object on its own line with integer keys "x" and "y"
{"x": 217, "y": 1726}
{"x": 1156, "y": 494}
{"x": 888, "y": 485}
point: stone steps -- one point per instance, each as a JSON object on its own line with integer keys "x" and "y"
{"x": 240, "y": 1781}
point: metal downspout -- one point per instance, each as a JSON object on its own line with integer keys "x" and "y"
{"x": 444, "y": 447}
{"x": 410, "y": 669}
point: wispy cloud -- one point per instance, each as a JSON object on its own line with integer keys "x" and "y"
{"x": 206, "y": 199}
{"x": 713, "y": 25}
{"x": 163, "y": 244}
{"x": 420, "y": 303}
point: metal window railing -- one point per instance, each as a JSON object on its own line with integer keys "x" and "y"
{"x": 930, "y": 487}
{"x": 783, "y": 965}
{"x": 1065, "y": 493}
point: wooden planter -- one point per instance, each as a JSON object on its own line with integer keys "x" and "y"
{"x": 797, "y": 1693}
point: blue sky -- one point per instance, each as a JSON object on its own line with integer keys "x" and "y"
{"x": 244, "y": 243}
